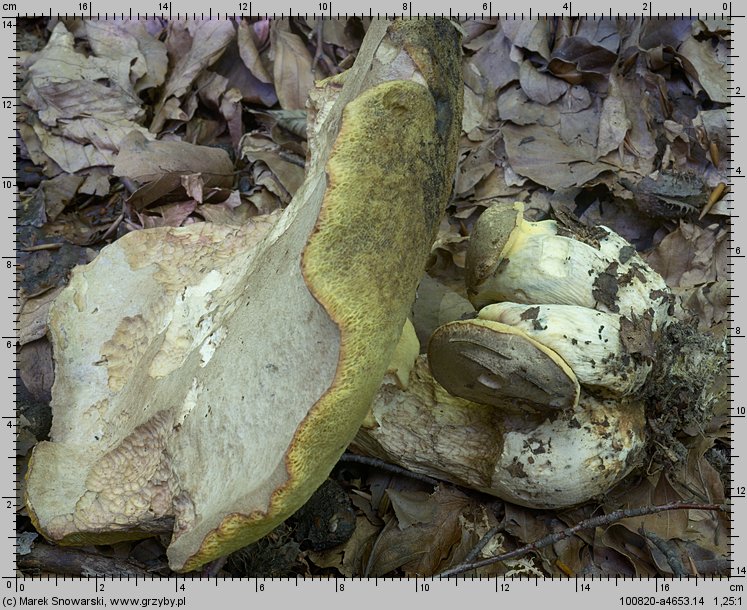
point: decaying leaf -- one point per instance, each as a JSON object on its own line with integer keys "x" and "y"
{"x": 423, "y": 537}
{"x": 163, "y": 167}
{"x": 691, "y": 255}
{"x": 207, "y": 41}
{"x": 700, "y": 64}
{"x": 80, "y": 120}
{"x": 291, "y": 67}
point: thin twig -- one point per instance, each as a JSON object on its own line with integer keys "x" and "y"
{"x": 666, "y": 548}
{"x": 38, "y": 247}
{"x": 112, "y": 228}
{"x": 320, "y": 57}
{"x": 472, "y": 555}
{"x": 382, "y": 465}
{"x": 592, "y": 523}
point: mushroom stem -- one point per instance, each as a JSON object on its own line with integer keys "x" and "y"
{"x": 526, "y": 459}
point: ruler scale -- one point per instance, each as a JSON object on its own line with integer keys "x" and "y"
{"x": 188, "y": 592}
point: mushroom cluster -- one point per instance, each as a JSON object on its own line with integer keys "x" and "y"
{"x": 558, "y": 314}
{"x": 546, "y": 378}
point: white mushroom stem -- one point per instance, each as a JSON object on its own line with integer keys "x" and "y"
{"x": 539, "y": 463}
{"x": 589, "y": 341}
{"x": 512, "y": 259}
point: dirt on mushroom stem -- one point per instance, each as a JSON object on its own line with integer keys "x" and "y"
{"x": 685, "y": 389}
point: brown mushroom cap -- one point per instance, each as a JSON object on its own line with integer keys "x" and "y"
{"x": 495, "y": 364}
{"x": 489, "y": 239}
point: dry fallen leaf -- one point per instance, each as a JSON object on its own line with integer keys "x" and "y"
{"x": 703, "y": 67}
{"x": 691, "y": 255}
{"x": 84, "y": 105}
{"x": 291, "y": 67}
{"x": 421, "y": 543}
{"x": 207, "y": 41}
{"x": 161, "y": 165}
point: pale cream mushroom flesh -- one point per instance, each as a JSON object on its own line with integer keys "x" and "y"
{"x": 589, "y": 341}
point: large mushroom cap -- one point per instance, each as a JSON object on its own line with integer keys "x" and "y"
{"x": 496, "y": 364}
{"x": 208, "y": 378}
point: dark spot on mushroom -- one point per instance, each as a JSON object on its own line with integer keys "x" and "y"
{"x": 637, "y": 337}
{"x": 665, "y": 297}
{"x": 570, "y": 226}
{"x": 516, "y": 470}
{"x": 634, "y": 273}
{"x": 532, "y": 313}
{"x": 626, "y": 253}
{"x": 605, "y": 288}
{"x": 536, "y": 445}
{"x": 502, "y": 265}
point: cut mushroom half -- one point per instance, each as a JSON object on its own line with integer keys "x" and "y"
{"x": 591, "y": 342}
{"x": 496, "y": 364}
{"x": 208, "y": 377}
{"x": 512, "y": 259}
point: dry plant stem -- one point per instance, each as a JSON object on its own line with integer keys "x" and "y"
{"x": 608, "y": 519}
{"x": 382, "y": 465}
{"x": 319, "y": 42}
{"x": 60, "y": 560}
{"x": 112, "y": 228}
{"x": 320, "y": 57}
{"x": 472, "y": 555}
{"x": 291, "y": 158}
{"x": 669, "y": 551}
{"x": 39, "y": 247}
